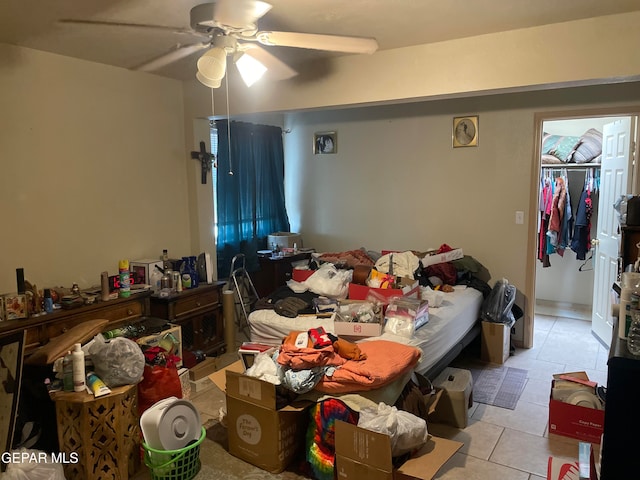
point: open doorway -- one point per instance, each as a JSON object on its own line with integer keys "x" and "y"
{"x": 563, "y": 285}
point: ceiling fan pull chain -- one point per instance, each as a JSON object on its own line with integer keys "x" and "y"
{"x": 226, "y": 87}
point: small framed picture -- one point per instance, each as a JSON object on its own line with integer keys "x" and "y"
{"x": 465, "y": 131}
{"x": 325, "y": 142}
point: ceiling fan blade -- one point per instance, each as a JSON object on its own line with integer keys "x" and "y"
{"x": 173, "y": 56}
{"x": 333, "y": 43}
{"x": 276, "y": 68}
{"x": 104, "y": 23}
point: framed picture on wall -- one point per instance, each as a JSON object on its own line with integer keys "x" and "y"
{"x": 325, "y": 143}
{"x": 465, "y": 131}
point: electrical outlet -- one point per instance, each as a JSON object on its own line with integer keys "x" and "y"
{"x": 519, "y": 217}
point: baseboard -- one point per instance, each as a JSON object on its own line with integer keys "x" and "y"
{"x": 563, "y": 309}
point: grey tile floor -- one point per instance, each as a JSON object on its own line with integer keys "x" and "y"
{"x": 516, "y": 444}
{"x": 501, "y": 443}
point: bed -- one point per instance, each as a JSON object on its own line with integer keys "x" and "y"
{"x": 451, "y": 327}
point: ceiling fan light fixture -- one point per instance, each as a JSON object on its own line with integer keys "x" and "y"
{"x": 251, "y": 69}
{"x": 213, "y": 65}
{"x": 208, "y": 82}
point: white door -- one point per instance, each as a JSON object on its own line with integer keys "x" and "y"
{"x": 614, "y": 181}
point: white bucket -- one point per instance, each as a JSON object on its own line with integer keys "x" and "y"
{"x": 170, "y": 424}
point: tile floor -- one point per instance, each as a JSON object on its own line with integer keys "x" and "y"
{"x": 501, "y": 443}
{"x": 516, "y": 444}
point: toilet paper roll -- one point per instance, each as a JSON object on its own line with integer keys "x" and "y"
{"x": 229, "y": 313}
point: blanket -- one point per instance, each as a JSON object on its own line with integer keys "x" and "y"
{"x": 385, "y": 362}
{"x": 305, "y": 358}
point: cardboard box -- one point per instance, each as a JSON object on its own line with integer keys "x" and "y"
{"x": 203, "y": 369}
{"x": 366, "y": 454}
{"x": 183, "y": 374}
{"x": 142, "y": 269}
{"x": 249, "y": 350}
{"x": 433, "y": 259}
{"x": 584, "y": 468}
{"x": 457, "y": 397}
{"x": 157, "y": 340}
{"x": 358, "y": 329}
{"x": 259, "y": 433}
{"x": 575, "y": 421}
{"x": 495, "y": 343}
{"x": 360, "y": 292}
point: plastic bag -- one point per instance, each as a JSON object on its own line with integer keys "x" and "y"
{"x": 365, "y": 312}
{"x": 329, "y": 281}
{"x": 620, "y": 206}
{"x": 158, "y": 382}
{"x": 434, "y": 297}
{"x": 33, "y": 465}
{"x": 119, "y": 361}
{"x": 497, "y": 306}
{"x": 407, "y": 431}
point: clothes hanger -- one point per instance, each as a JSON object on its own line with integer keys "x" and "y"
{"x": 584, "y": 264}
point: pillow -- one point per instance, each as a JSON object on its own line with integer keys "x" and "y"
{"x": 547, "y": 159}
{"x": 588, "y": 147}
{"x": 559, "y": 146}
{"x": 60, "y": 345}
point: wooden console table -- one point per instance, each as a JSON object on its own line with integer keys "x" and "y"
{"x": 40, "y": 329}
{"x": 198, "y": 311}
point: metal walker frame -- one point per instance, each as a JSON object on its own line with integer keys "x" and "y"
{"x": 245, "y": 293}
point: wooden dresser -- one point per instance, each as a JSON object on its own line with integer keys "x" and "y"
{"x": 198, "y": 311}
{"x": 40, "y": 329}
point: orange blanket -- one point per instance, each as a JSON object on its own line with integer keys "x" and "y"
{"x": 305, "y": 358}
{"x": 385, "y": 362}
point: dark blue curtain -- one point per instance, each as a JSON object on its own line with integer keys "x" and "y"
{"x": 251, "y": 201}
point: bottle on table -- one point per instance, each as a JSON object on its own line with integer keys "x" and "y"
{"x": 78, "y": 368}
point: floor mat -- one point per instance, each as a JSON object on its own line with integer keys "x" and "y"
{"x": 498, "y": 385}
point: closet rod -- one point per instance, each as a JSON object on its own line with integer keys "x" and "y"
{"x": 571, "y": 166}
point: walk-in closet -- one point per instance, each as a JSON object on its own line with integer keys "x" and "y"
{"x": 569, "y": 192}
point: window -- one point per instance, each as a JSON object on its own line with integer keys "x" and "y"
{"x": 249, "y": 190}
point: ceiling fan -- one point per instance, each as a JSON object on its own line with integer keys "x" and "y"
{"x": 229, "y": 29}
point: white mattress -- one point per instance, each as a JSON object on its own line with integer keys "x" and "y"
{"x": 448, "y": 324}
{"x": 266, "y": 326}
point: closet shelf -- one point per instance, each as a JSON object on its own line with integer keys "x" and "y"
{"x": 571, "y": 166}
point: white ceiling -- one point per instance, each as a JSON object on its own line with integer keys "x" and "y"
{"x": 394, "y": 23}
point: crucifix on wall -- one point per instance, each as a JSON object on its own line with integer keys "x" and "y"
{"x": 206, "y": 161}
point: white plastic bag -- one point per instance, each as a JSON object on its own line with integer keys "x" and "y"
{"x": 329, "y": 281}
{"x": 407, "y": 431}
{"x": 32, "y": 465}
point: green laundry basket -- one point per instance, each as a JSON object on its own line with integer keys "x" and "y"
{"x": 181, "y": 464}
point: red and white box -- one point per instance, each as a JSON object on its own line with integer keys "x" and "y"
{"x": 572, "y": 420}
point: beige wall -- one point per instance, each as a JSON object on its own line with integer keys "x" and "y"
{"x": 93, "y": 168}
{"x": 397, "y": 183}
{"x": 97, "y": 166}
{"x": 591, "y": 51}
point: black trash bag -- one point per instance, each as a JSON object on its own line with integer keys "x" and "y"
{"x": 498, "y": 304}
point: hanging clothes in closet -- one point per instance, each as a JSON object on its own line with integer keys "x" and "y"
{"x": 556, "y": 216}
{"x": 581, "y": 242}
